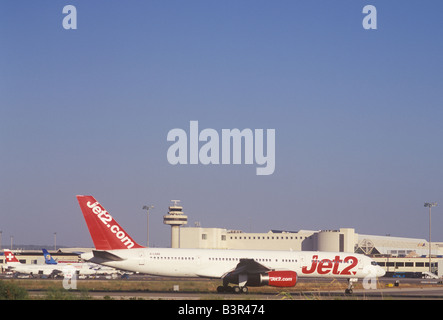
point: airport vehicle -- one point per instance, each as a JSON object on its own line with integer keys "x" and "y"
{"x": 116, "y": 248}
{"x": 33, "y": 270}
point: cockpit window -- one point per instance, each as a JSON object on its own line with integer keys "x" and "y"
{"x": 374, "y": 263}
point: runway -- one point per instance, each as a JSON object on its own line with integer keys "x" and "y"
{"x": 183, "y": 305}
{"x": 158, "y": 288}
{"x": 414, "y": 292}
{"x": 428, "y": 293}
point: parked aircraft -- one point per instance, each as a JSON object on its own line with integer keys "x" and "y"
{"x": 116, "y": 248}
{"x": 82, "y": 268}
{"x": 33, "y": 270}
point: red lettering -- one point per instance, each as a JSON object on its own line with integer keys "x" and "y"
{"x": 313, "y": 266}
{"x": 324, "y": 266}
{"x": 336, "y": 264}
{"x": 347, "y": 270}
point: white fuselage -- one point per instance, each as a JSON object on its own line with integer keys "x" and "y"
{"x": 86, "y": 269}
{"x": 217, "y": 263}
{"x": 59, "y": 269}
{"x": 33, "y": 269}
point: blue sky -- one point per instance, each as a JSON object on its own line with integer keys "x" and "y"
{"x": 357, "y": 113}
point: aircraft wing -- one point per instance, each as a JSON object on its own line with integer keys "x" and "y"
{"x": 245, "y": 266}
{"x": 249, "y": 266}
{"x": 245, "y": 269}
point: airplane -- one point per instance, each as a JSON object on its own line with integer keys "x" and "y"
{"x": 48, "y": 258}
{"x": 114, "y": 247}
{"x": 81, "y": 268}
{"x": 14, "y": 265}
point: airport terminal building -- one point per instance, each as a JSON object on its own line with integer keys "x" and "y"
{"x": 341, "y": 240}
{"x": 395, "y": 254}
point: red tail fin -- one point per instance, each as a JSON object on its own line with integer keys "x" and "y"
{"x": 10, "y": 257}
{"x": 106, "y": 233}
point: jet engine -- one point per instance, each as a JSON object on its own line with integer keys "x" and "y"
{"x": 271, "y": 278}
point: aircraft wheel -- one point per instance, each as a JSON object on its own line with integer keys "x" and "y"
{"x": 238, "y": 289}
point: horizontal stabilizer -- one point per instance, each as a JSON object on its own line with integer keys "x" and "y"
{"x": 105, "y": 256}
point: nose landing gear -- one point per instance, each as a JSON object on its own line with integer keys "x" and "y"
{"x": 350, "y": 285}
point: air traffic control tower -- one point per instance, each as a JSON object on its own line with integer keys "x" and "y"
{"x": 175, "y": 218}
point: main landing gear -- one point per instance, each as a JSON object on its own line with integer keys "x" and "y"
{"x": 228, "y": 289}
{"x": 350, "y": 286}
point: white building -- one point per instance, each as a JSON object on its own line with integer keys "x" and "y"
{"x": 342, "y": 240}
{"x": 396, "y": 254}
